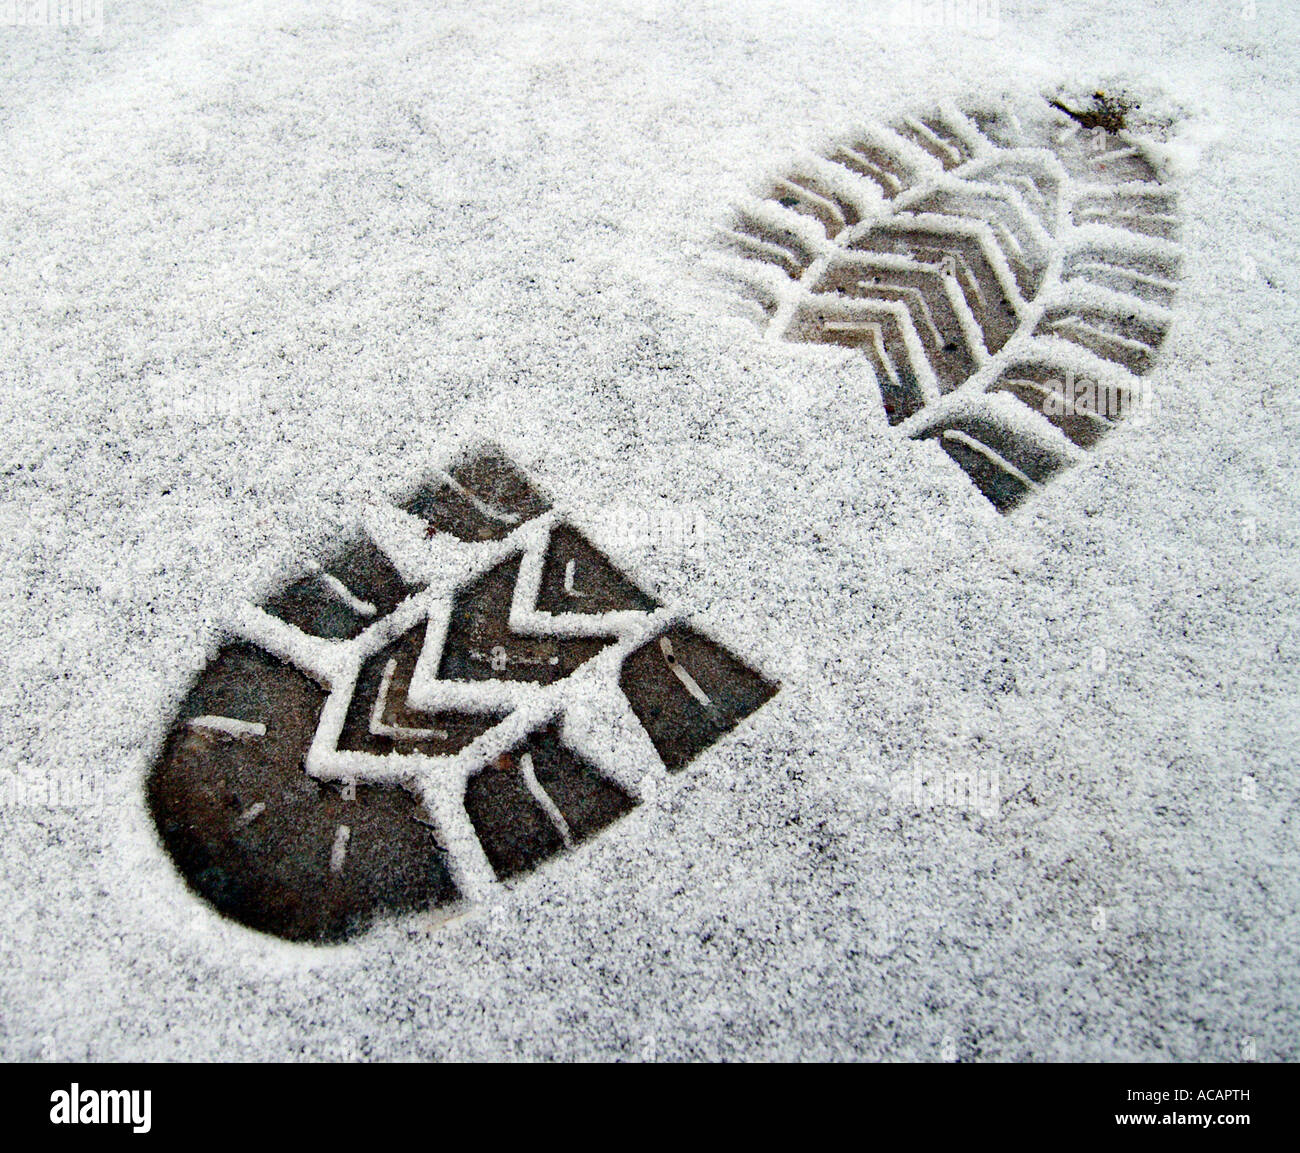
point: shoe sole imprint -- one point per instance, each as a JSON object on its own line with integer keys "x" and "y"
{"x": 374, "y": 744}
{"x": 1007, "y": 277}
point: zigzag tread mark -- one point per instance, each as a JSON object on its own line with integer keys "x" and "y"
{"x": 920, "y": 289}
{"x": 1009, "y": 225}
{"x": 1032, "y": 175}
{"x": 963, "y": 259}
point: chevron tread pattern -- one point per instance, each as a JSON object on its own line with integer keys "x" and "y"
{"x": 996, "y": 270}
{"x": 371, "y": 745}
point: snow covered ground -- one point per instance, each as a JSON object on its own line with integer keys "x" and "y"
{"x": 266, "y": 262}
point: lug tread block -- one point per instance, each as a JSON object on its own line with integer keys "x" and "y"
{"x": 1147, "y": 277}
{"x": 1003, "y": 489}
{"x": 680, "y": 725}
{"x": 461, "y": 728}
{"x": 489, "y": 499}
{"x": 259, "y": 839}
{"x": 481, "y": 646}
{"x": 596, "y": 585}
{"x": 996, "y": 127}
{"x": 1042, "y": 388}
{"x": 878, "y": 336}
{"x": 1087, "y": 156}
{"x": 814, "y": 198}
{"x": 1008, "y": 226}
{"x": 1001, "y": 462}
{"x": 884, "y": 167}
{"x": 587, "y": 801}
{"x": 1122, "y": 339}
{"x": 779, "y": 247}
{"x": 517, "y": 833}
{"x": 932, "y": 136}
{"x": 310, "y": 604}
